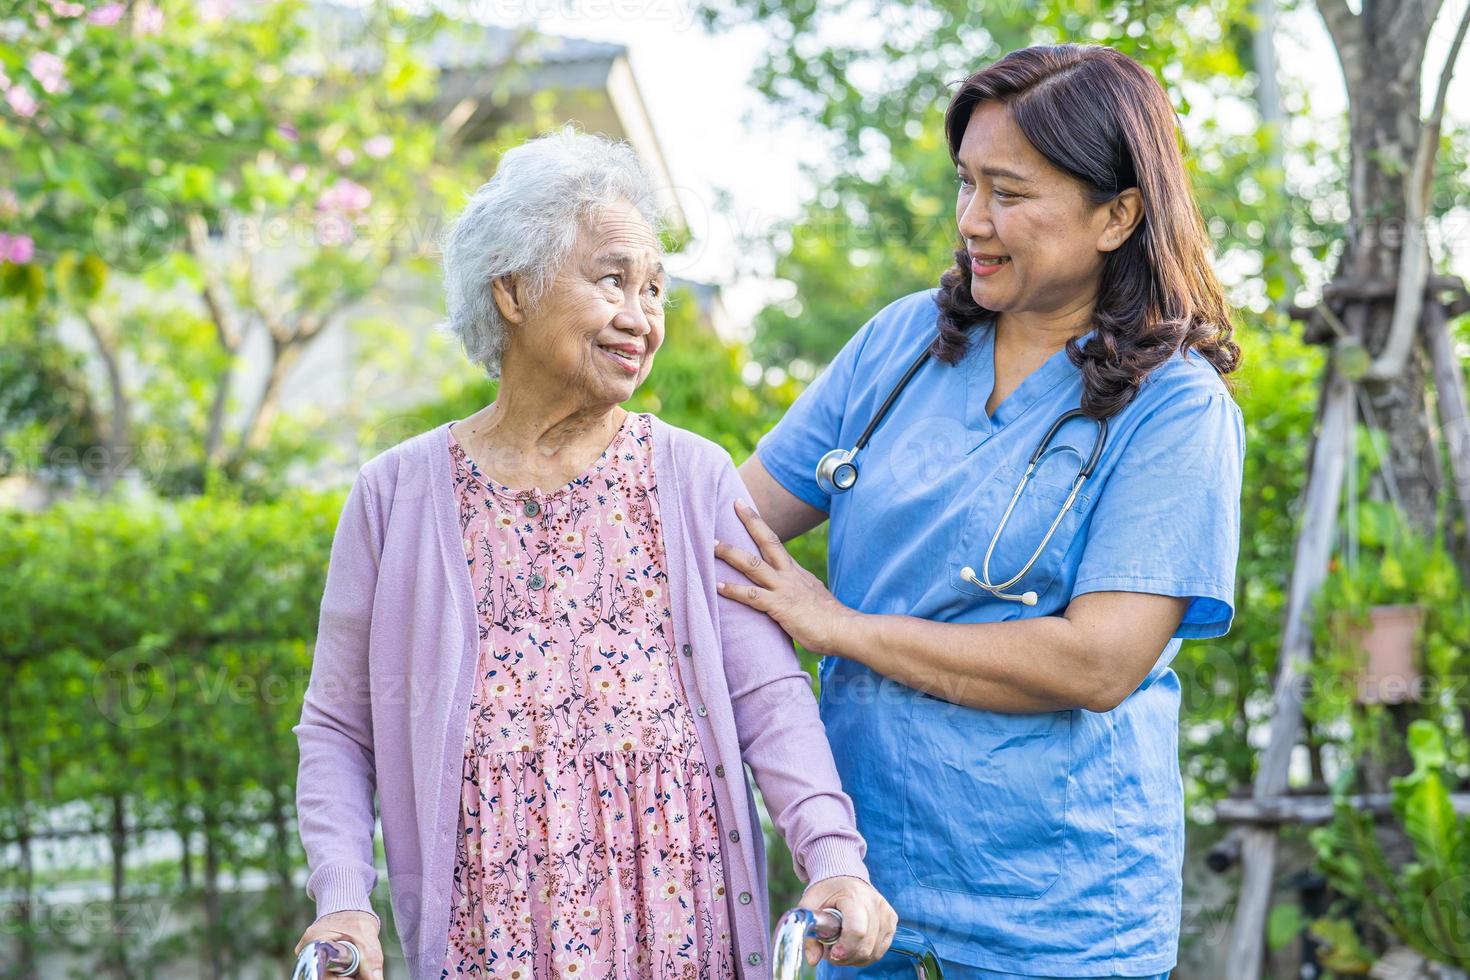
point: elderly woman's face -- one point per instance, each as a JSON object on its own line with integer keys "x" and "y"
{"x": 602, "y": 320}
{"x": 1036, "y": 242}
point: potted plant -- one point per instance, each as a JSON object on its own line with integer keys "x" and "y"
{"x": 1373, "y": 613}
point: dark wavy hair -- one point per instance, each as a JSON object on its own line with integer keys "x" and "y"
{"x": 1099, "y": 116}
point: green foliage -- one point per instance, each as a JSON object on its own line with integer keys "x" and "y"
{"x": 862, "y": 243}
{"x": 1342, "y": 951}
{"x": 153, "y": 657}
{"x": 43, "y": 411}
{"x": 1283, "y": 925}
{"x": 1425, "y": 903}
{"x": 1222, "y": 677}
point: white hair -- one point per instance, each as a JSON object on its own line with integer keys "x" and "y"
{"x": 523, "y": 222}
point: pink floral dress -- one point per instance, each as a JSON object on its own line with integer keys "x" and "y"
{"x": 588, "y": 844}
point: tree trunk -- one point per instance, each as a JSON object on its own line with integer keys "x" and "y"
{"x": 213, "y": 965}
{"x": 14, "y": 784}
{"x": 118, "y": 837}
{"x": 183, "y": 821}
{"x": 1384, "y": 89}
{"x": 287, "y": 901}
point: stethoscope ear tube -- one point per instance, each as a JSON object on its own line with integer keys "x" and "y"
{"x": 836, "y": 471}
{"x": 1097, "y": 444}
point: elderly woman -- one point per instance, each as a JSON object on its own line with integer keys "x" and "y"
{"x": 524, "y": 651}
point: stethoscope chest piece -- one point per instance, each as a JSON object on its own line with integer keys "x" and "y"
{"x": 836, "y": 472}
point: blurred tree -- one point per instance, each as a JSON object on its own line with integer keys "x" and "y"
{"x": 881, "y": 223}
{"x": 244, "y": 174}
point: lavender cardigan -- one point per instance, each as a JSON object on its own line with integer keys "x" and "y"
{"x": 393, "y": 668}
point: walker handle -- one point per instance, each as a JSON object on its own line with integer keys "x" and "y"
{"x": 326, "y": 957}
{"x": 798, "y": 925}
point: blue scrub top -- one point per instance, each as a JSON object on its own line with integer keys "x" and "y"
{"x": 1035, "y": 844}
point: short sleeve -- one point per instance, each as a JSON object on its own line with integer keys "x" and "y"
{"x": 1168, "y": 519}
{"x": 812, "y": 426}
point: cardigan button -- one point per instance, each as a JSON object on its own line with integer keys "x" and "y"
{"x": 537, "y": 581}
{"x": 720, "y": 771}
{"x": 687, "y": 651}
{"x": 745, "y": 898}
{"x": 532, "y": 508}
{"x": 734, "y": 837}
{"x": 700, "y": 711}
{"x": 754, "y": 959}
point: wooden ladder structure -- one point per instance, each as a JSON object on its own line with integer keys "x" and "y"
{"x": 1269, "y": 806}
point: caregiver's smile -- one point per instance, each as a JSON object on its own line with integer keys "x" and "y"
{"x": 1036, "y": 244}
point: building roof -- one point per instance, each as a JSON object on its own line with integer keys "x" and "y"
{"x": 596, "y": 76}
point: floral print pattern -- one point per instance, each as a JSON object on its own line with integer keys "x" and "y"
{"x": 588, "y": 844}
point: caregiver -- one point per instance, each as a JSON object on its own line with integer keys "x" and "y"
{"x": 1009, "y": 582}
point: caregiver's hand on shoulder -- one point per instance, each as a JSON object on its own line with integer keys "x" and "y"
{"x": 792, "y": 596}
{"x": 358, "y": 928}
{"x": 868, "y": 921}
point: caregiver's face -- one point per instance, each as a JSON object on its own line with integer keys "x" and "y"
{"x": 602, "y": 320}
{"x": 1036, "y": 243}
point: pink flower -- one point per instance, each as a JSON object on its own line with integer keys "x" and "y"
{"x": 19, "y": 249}
{"x": 333, "y": 229}
{"x": 62, "y": 8}
{"x": 378, "y": 147}
{"x": 106, "y": 15}
{"x": 297, "y": 173}
{"x": 47, "y": 69}
{"x": 211, "y": 11}
{"x": 148, "y": 19}
{"x": 344, "y": 195}
{"x": 345, "y": 156}
{"x": 287, "y": 131}
{"x": 21, "y": 101}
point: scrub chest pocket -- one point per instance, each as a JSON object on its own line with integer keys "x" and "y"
{"x": 985, "y": 798}
{"x": 1038, "y": 505}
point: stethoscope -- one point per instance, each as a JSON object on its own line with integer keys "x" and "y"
{"x": 837, "y": 472}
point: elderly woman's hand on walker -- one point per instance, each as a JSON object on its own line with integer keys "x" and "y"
{"x": 868, "y": 921}
{"x": 357, "y": 927}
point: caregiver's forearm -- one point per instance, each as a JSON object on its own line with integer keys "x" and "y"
{"x": 1092, "y": 656}
{"x": 1030, "y": 665}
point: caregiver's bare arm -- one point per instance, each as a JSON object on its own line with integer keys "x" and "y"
{"x": 785, "y": 513}
{"x": 1091, "y": 656}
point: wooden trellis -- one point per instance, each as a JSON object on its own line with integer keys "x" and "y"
{"x": 1270, "y": 805}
